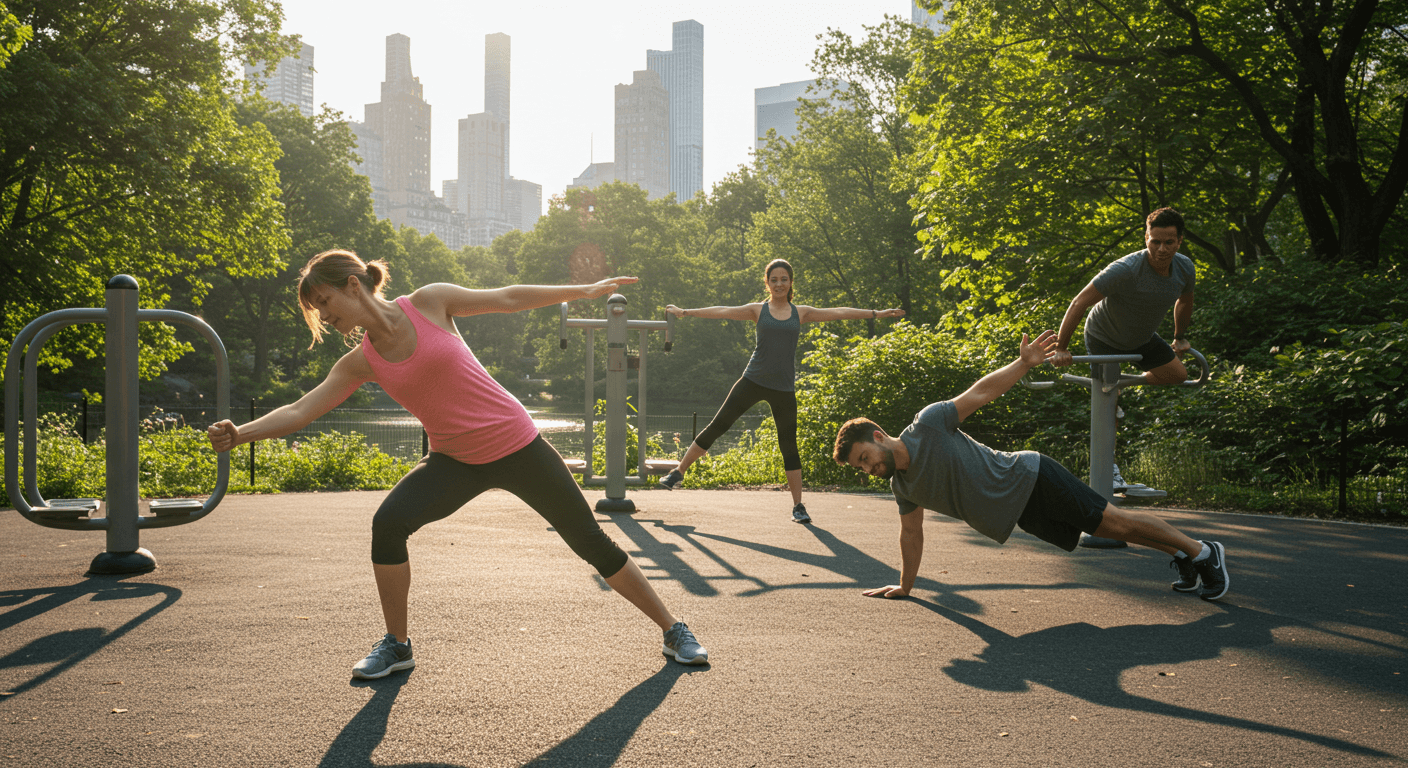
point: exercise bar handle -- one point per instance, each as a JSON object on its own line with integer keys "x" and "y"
{"x": 1204, "y": 371}
{"x": 13, "y": 362}
{"x": 669, "y": 331}
{"x": 1106, "y": 358}
{"x": 562, "y": 327}
{"x": 222, "y": 411}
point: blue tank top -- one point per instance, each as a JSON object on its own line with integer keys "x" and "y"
{"x": 773, "y": 364}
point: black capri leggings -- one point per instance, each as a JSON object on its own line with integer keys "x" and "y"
{"x": 744, "y": 395}
{"x": 439, "y": 485}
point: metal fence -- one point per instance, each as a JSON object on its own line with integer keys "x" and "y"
{"x": 397, "y": 433}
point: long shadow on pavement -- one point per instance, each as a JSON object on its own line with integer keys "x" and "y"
{"x": 1060, "y": 658}
{"x": 597, "y": 744}
{"x": 69, "y": 647}
{"x": 861, "y": 569}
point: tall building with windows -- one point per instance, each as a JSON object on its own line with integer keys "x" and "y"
{"x": 402, "y": 121}
{"x": 524, "y": 201}
{"x": 369, "y": 150}
{"x": 492, "y": 201}
{"x": 291, "y": 82}
{"x": 920, "y": 16}
{"x": 483, "y": 160}
{"x": 643, "y": 133}
{"x": 497, "y": 49}
{"x": 775, "y": 107}
{"x": 681, "y": 71}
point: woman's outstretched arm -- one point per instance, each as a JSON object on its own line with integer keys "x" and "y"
{"x": 344, "y": 378}
{"x": 457, "y": 301}
{"x": 744, "y": 312}
{"x": 822, "y": 314}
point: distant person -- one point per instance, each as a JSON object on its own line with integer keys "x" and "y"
{"x": 934, "y": 465}
{"x": 1131, "y": 297}
{"x": 480, "y": 436}
{"x": 771, "y": 373}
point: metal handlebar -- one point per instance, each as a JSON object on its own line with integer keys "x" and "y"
{"x": 1203, "y": 371}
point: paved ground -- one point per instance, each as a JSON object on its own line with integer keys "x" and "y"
{"x": 237, "y": 650}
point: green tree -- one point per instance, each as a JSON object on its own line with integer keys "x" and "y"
{"x": 1053, "y": 129}
{"x": 839, "y": 190}
{"x": 119, "y": 153}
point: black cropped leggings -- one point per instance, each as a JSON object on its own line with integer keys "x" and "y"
{"x": 744, "y": 395}
{"x": 439, "y": 485}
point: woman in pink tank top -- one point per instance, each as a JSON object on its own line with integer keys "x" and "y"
{"x": 480, "y": 435}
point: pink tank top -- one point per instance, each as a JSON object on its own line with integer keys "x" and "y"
{"x": 467, "y": 415}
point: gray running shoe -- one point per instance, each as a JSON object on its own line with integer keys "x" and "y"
{"x": 387, "y": 656}
{"x": 799, "y": 514}
{"x": 671, "y": 481}
{"x": 1187, "y": 574}
{"x": 680, "y": 643}
{"x": 1213, "y": 570}
{"x": 1120, "y": 483}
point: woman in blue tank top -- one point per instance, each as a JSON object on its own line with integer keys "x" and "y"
{"x": 771, "y": 373}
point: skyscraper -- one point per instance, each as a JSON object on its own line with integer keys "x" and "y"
{"x": 681, "y": 71}
{"x": 369, "y": 149}
{"x": 290, "y": 83}
{"x": 496, "y": 83}
{"x": 775, "y": 107}
{"x": 486, "y": 193}
{"x": 643, "y": 133}
{"x": 402, "y": 121}
{"x": 922, "y": 17}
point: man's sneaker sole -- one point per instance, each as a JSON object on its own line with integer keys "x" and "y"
{"x": 1221, "y": 554}
{"x": 668, "y": 651}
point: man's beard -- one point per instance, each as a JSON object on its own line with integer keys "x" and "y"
{"x": 887, "y": 461}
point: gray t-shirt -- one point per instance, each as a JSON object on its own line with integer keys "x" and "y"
{"x": 951, "y": 473}
{"x": 1136, "y": 299}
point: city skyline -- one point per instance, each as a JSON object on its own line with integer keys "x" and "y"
{"x": 566, "y": 69}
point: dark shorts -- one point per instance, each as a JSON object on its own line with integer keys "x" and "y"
{"x": 1156, "y": 351}
{"x": 1061, "y": 507}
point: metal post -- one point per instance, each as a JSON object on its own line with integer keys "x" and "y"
{"x": 251, "y": 445}
{"x": 123, "y": 555}
{"x": 1344, "y": 460}
{"x": 1103, "y": 400}
{"x": 640, "y": 413}
{"x": 589, "y": 420}
{"x": 616, "y": 335}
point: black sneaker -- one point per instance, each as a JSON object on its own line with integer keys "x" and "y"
{"x": 1213, "y": 570}
{"x": 672, "y": 480}
{"x": 799, "y": 514}
{"x": 1187, "y": 574}
{"x": 387, "y": 656}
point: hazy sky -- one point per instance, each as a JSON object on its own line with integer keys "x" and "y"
{"x": 567, "y": 60}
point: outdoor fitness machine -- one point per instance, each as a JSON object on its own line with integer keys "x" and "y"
{"x": 617, "y": 328}
{"x": 1105, "y": 384}
{"x": 123, "y": 521}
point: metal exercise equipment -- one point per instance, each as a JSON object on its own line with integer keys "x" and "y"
{"x": 618, "y": 328}
{"x": 123, "y": 520}
{"x": 1105, "y": 384}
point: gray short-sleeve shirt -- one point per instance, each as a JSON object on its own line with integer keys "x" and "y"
{"x": 951, "y": 473}
{"x": 1137, "y": 298}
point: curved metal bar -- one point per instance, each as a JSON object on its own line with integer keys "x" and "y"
{"x": 12, "y": 415}
{"x": 222, "y": 411}
{"x": 1205, "y": 371}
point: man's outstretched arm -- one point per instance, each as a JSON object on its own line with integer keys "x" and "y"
{"x": 911, "y": 552}
{"x": 993, "y": 385}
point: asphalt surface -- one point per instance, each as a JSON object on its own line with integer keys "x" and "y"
{"x": 237, "y": 650}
